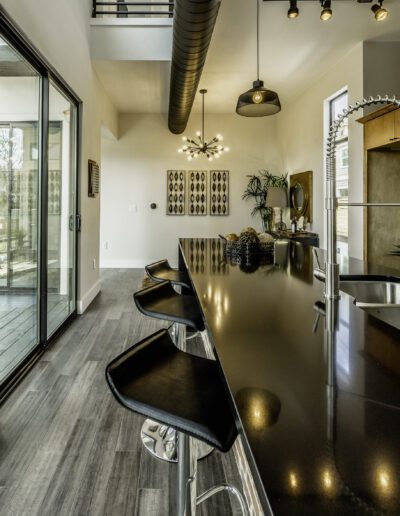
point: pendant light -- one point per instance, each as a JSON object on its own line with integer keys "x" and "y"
{"x": 258, "y": 101}
{"x": 201, "y": 147}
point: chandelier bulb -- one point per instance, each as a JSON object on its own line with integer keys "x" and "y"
{"x": 226, "y": 149}
{"x": 180, "y": 151}
{"x": 198, "y": 133}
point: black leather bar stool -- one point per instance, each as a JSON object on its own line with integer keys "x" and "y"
{"x": 156, "y": 379}
{"x": 162, "y": 271}
{"x": 161, "y": 301}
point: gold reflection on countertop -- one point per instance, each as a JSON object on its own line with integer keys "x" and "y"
{"x": 259, "y": 409}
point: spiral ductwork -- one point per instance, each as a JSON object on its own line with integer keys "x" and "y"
{"x": 194, "y": 22}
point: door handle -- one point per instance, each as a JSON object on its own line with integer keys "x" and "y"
{"x": 74, "y": 222}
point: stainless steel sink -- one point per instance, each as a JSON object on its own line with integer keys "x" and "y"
{"x": 380, "y": 298}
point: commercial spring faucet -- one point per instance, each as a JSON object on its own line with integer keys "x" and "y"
{"x": 330, "y": 272}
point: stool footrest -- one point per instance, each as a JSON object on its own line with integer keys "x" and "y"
{"x": 224, "y": 487}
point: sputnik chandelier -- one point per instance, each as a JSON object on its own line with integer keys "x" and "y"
{"x": 194, "y": 148}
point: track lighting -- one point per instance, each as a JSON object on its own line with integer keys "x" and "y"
{"x": 380, "y": 12}
{"x": 326, "y": 13}
{"x": 293, "y": 11}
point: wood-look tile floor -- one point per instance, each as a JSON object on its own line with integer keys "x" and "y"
{"x": 67, "y": 447}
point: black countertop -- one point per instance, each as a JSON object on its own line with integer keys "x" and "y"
{"x": 321, "y": 421}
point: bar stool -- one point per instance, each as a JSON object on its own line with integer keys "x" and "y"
{"x": 161, "y": 301}
{"x": 162, "y": 271}
{"x": 156, "y": 379}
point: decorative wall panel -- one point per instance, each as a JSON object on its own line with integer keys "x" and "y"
{"x": 219, "y": 192}
{"x": 176, "y": 192}
{"x": 197, "y": 192}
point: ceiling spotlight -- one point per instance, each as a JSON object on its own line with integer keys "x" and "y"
{"x": 380, "y": 12}
{"x": 293, "y": 11}
{"x": 326, "y": 13}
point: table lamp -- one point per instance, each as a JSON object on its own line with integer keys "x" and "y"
{"x": 277, "y": 197}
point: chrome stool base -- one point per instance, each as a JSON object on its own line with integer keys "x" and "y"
{"x": 162, "y": 442}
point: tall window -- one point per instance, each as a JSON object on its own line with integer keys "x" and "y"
{"x": 336, "y": 106}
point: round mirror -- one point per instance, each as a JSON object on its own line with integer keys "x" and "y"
{"x": 298, "y": 197}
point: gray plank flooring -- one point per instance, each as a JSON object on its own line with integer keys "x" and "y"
{"x": 67, "y": 448}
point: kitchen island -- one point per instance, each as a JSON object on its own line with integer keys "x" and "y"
{"x": 319, "y": 420}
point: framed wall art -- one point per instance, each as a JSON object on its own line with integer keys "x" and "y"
{"x": 176, "y": 192}
{"x": 219, "y": 192}
{"x": 197, "y": 192}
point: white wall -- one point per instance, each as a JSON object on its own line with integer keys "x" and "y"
{"x": 134, "y": 175}
{"x": 60, "y": 30}
{"x": 301, "y": 137}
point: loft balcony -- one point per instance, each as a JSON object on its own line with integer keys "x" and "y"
{"x": 131, "y": 31}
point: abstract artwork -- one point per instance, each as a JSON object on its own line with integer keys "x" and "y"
{"x": 197, "y": 192}
{"x": 219, "y": 192}
{"x": 176, "y": 192}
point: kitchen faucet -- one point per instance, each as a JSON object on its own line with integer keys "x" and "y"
{"x": 330, "y": 272}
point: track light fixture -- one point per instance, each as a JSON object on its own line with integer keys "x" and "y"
{"x": 326, "y": 13}
{"x": 293, "y": 11}
{"x": 380, "y": 12}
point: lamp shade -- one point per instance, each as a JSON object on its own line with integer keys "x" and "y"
{"x": 277, "y": 197}
{"x": 258, "y": 101}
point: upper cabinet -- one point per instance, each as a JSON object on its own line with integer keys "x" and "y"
{"x": 381, "y": 128}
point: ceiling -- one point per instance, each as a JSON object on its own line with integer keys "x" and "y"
{"x": 294, "y": 54}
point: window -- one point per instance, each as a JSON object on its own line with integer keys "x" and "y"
{"x": 336, "y": 105}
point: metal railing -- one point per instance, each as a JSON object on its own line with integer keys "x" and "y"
{"x": 125, "y": 9}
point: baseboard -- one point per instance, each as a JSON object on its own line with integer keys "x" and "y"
{"x": 131, "y": 264}
{"x": 84, "y": 303}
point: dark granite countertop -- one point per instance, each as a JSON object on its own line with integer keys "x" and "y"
{"x": 321, "y": 422}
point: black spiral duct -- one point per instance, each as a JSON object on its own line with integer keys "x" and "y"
{"x": 194, "y": 22}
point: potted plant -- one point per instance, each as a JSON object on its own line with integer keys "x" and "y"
{"x": 257, "y": 189}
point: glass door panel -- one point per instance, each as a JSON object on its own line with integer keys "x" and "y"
{"x": 61, "y": 209}
{"x": 19, "y": 176}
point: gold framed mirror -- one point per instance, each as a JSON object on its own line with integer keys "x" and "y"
{"x": 301, "y": 193}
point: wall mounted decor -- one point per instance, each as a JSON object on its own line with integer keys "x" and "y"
{"x": 176, "y": 192}
{"x": 93, "y": 179}
{"x": 219, "y": 192}
{"x": 197, "y": 192}
{"x": 301, "y": 196}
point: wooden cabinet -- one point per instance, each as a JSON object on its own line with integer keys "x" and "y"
{"x": 381, "y": 128}
{"x": 397, "y": 124}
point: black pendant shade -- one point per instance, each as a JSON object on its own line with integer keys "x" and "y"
{"x": 258, "y": 101}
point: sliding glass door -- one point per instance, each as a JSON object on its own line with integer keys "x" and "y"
{"x": 61, "y": 209}
{"x": 38, "y": 178}
{"x": 19, "y": 208}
